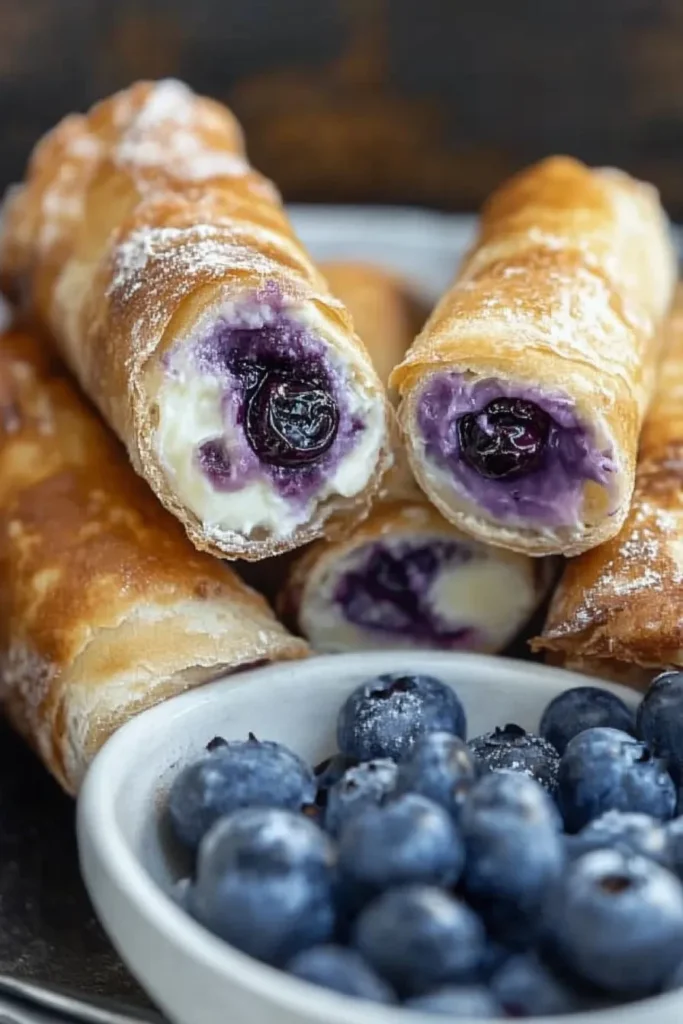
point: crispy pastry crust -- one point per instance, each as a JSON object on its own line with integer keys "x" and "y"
{"x": 619, "y": 608}
{"x": 135, "y": 221}
{"x": 386, "y": 316}
{"x": 565, "y": 289}
{"x": 106, "y": 606}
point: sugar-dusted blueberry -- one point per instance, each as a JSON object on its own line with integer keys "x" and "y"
{"x": 526, "y": 986}
{"x": 674, "y": 838}
{"x": 240, "y": 773}
{"x": 514, "y": 852}
{"x": 267, "y": 839}
{"x": 505, "y": 440}
{"x": 441, "y": 767}
{"x": 364, "y": 786}
{"x": 581, "y": 708}
{"x": 419, "y": 938}
{"x": 264, "y": 883}
{"x": 516, "y": 750}
{"x": 626, "y": 831}
{"x": 617, "y": 922}
{"x": 660, "y": 720}
{"x": 473, "y": 1002}
{"x": 408, "y": 840}
{"x": 605, "y": 769}
{"x": 384, "y": 717}
{"x": 342, "y": 970}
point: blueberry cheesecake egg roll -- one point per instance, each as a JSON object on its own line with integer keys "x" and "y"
{"x": 106, "y": 607}
{"x": 618, "y": 609}
{"x": 523, "y": 397}
{"x": 405, "y": 577}
{"x": 167, "y": 271}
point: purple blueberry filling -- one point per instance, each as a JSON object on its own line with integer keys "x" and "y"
{"x": 517, "y": 452}
{"x": 284, "y": 406}
{"x": 389, "y": 592}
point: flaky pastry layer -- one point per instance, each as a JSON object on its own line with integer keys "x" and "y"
{"x": 106, "y": 606}
{"x": 562, "y": 295}
{"x": 618, "y": 610}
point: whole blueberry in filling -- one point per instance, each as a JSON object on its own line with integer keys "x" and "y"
{"x": 286, "y": 413}
{"x": 521, "y": 453}
{"x": 290, "y": 420}
{"x": 506, "y": 439}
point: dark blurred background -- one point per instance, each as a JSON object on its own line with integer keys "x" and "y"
{"x": 409, "y": 101}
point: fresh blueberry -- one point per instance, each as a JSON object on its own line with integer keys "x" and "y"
{"x": 267, "y": 839}
{"x": 495, "y": 955}
{"x": 628, "y": 832}
{"x": 328, "y": 773}
{"x": 241, "y": 773}
{"x": 180, "y": 892}
{"x": 470, "y": 1001}
{"x": 660, "y": 720}
{"x": 513, "y": 749}
{"x": 514, "y": 851}
{"x": 291, "y": 422}
{"x": 342, "y": 970}
{"x": 674, "y": 837}
{"x": 605, "y": 770}
{"x": 360, "y": 787}
{"x": 384, "y": 717}
{"x": 675, "y": 981}
{"x": 265, "y": 883}
{"x": 525, "y": 986}
{"x": 408, "y": 840}
{"x": 581, "y": 708}
{"x": 419, "y": 938}
{"x": 505, "y": 440}
{"x": 617, "y": 922}
{"x": 441, "y": 767}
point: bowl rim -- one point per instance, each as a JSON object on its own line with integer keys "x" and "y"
{"x": 97, "y": 826}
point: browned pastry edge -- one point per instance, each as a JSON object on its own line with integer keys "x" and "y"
{"x": 565, "y": 289}
{"x": 105, "y": 607}
{"x": 134, "y": 220}
{"x": 622, "y": 603}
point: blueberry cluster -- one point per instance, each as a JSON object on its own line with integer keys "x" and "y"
{"x": 515, "y": 876}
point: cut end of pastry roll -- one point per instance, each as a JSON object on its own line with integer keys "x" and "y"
{"x": 523, "y": 397}
{"x": 407, "y": 579}
{"x": 513, "y": 463}
{"x": 263, "y": 422}
{"x": 169, "y": 275}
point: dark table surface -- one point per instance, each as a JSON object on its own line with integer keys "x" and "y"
{"x": 48, "y": 932}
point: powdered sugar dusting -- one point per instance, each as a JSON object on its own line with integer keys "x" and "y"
{"x": 642, "y": 561}
{"x": 62, "y": 202}
{"x": 196, "y": 250}
{"x": 166, "y": 134}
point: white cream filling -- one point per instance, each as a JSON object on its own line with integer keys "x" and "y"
{"x": 493, "y": 594}
{"x": 190, "y": 404}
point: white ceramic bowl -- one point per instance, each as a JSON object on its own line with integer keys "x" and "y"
{"x": 194, "y": 977}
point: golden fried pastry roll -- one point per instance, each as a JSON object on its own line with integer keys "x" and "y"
{"x": 106, "y": 608}
{"x": 618, "y": 610}
{"x": 405, "y": 577}
{"x": 168, "y": 272}
{"x": 523, "y": 397}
